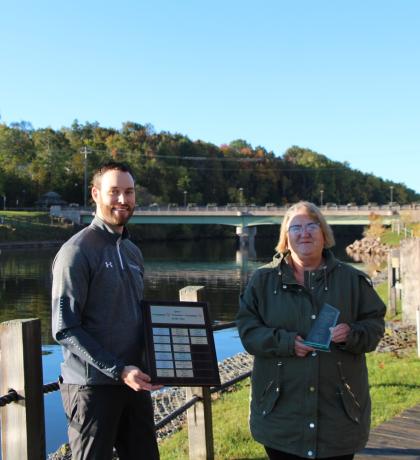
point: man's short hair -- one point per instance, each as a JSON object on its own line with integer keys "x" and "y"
{"x": 109, "y": 166}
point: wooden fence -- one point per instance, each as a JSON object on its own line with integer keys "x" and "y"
{"x": 22, "y": 411}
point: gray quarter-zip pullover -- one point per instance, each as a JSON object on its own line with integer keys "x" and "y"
{"x": 96, "y": 295}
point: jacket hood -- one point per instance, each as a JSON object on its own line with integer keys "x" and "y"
{"x": 285, "y": 271}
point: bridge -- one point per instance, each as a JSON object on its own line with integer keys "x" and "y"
{"x": 246, "y": 218}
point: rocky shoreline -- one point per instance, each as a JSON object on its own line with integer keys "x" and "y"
{"x": 398, "y": 339}
{"x": 368, "y": 250}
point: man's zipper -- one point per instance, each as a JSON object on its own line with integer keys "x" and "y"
{"x": 119, "y": 253}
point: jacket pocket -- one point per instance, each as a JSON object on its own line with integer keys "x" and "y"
{"x": 350, "y": 403}
{"x": 271, "y": 393}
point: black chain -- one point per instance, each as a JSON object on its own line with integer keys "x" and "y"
{"x": 10, "y": 397}
{"x": 13, "y": 396}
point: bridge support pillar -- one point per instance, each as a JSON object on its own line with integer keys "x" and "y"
{"x": 247, "y": 237}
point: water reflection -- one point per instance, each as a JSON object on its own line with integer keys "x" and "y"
{"x": 25, "y": 285}
{"x": 25, "y": 276}
{"x": 218, "y": 265}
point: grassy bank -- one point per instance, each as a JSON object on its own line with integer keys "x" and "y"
{"x": 394, "y": 387}
{"x": 394, "y": 239}
{"x": 32, "y": 226}
{"x": 382, "y": 290}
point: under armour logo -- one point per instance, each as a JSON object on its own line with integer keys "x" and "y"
{"x": 108, "y": 264}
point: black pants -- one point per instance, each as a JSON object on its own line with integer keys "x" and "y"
{"x": 102, "y": 417}
{"x": 278, "y": 455}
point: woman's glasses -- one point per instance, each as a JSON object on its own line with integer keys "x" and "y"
{"x": 310, "y": 227}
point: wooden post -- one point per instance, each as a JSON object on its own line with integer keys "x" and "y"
{"x": 418, "y": 330}
{"x": 22, "y": 422}
{"x": 392, "y": 298}
{"x": 200, "y": 424}
{"x": 393, "y": 280}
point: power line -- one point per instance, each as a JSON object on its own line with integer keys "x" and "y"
{"x": 279, "y": 168}
{"x": 187, "y": 157}
{"x": 222, "y": 159}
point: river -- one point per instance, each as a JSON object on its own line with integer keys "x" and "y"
{"x": 25, "y": 284}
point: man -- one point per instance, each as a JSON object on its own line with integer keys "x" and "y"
{"x": 96, "y": 294}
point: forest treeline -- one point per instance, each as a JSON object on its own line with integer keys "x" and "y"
{"x": 171, "y": 168}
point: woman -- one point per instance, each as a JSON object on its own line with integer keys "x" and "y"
{"x": 307, "y": 403}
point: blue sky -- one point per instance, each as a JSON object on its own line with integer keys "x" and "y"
{"x": 339, "y": 77}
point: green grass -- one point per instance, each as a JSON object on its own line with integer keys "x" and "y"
{"x": 394, "y": 384}
{"x": 230, "y": 430}
{"x": 394, "y": 239}
{"x": 391, "y": 238}
{"x": 32, "y": 226}
{"x": 25, "y": 214}
{"x": 382, "y": 290}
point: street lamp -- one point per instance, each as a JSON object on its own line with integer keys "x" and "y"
{"x": 75, "y": 192}
{"x": 85, "y": 151}
{"x": 322, "y": 196}
{"x": 185, "y": 198}
{"x": 241, "y": 195}
{"x": 391, "y": 188}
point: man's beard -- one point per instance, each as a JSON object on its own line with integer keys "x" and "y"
{"x": 113, "y": 217}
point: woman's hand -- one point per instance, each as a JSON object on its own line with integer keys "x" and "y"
{"x": 340, "y": 333}
{"x": 301, "y": 350}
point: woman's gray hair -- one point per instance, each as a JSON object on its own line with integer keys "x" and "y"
{"x": 312, "y": 211}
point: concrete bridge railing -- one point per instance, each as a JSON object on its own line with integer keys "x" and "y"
{"x": 231, "y": 214}
{"x": 244, "y": 218}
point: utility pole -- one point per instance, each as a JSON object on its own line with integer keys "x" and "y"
{"x": 85, "y": 151}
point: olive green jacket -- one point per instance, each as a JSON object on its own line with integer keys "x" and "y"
{"x": 317, "y": 406}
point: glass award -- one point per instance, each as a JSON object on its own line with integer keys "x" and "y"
{"x": 319, "y": 336}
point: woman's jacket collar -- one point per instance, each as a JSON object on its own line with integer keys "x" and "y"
{"x": 285, "y": 271}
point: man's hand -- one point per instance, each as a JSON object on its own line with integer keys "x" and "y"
{"x": 340, "y": 333}
{"x": 137, "y": 380}
{"x": 301, "y": 350}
